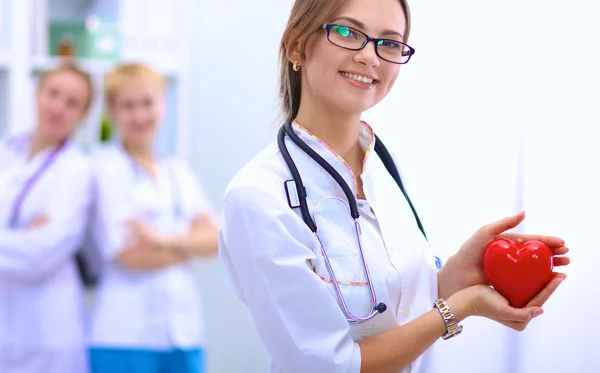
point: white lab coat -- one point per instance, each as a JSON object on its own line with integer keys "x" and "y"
{"x": 41, "y": 295}
{"x": 276, "y": 267}
{"x": 154, "y": 310}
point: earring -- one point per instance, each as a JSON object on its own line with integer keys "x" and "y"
{"x": 296, "y": 66}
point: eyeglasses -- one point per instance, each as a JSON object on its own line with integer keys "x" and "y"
{"x": 352, "y": 39}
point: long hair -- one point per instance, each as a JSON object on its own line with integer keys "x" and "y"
{"x": 305, "y": 19}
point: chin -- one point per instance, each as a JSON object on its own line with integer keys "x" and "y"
{"x": 141, "y": 140}
{"x": 54, "y": 133}
{"x": 355, "y": 102}
{"x": 356, "y": 106}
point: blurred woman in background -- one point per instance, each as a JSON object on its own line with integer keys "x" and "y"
{"x": 45, "y": 195}
{"x": 152, "y": 220}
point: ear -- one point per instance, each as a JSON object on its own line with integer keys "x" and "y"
{"x": 292, "y": 48}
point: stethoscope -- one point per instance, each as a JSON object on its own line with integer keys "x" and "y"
{"x": 30, "y": 183}
{"x": 296, "y": 194}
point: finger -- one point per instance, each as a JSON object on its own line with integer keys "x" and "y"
{"x": 132, "y": 223}
{"x": 203, "y": 221}
{"x": 523, "y": 315}
{"x": 547, "y": 291}
{"x": 561, "y": 261}
{"x": 39, "y": 220}
{"x": 560, "y": 250}
{"x": 551, "y": 241}
{"x": 516, "y": 325}
{"x": 500, "y": 226}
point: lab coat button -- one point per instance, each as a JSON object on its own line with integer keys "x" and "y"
{"x": 406, "y": 311}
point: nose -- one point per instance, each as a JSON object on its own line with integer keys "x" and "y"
{"x": 368, "y": 55}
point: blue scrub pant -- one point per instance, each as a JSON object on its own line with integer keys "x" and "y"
{"x": 121, "y": 360}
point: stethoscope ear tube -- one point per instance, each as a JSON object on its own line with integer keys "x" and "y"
{"x": 326, "y": 166}
{"x": 297, "y": 179}
{"x": 389, "y": 164}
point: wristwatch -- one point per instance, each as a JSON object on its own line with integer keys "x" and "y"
{"x": 452, "y": 327}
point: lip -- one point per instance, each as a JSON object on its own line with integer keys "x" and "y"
{"x": 358, "y": 84}
{"x": 375, "y": 80}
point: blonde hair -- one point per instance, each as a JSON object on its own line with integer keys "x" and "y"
{"x": 70, "y": 67}
{"x": 305, "y": 19}
{"x": 124, "y": 75}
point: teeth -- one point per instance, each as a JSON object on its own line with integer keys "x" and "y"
{"x": 359, "y": 78}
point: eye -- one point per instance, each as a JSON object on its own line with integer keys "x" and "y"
{"x": 127, "y": 105}
{"x": 343, "y": 31}
{"x": 73, "y": 103}
{"x": 389, "y": 44}
{"x": 52, "y": 92}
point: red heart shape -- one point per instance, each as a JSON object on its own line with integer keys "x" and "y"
{"x": 518, "y": 271}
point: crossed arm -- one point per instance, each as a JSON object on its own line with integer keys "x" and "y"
{"x": 147, "y": 250}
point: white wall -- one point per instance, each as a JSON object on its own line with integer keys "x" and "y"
{"x": 235, "y": 99}
{"x": 563, "y": 184}
{"x": 483, "y": 74}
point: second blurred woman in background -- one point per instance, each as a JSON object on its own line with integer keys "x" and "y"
{"x": 152, "y": 220}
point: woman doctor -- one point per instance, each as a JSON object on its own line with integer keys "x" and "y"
{"x": 152, "y": 221}
{"x": 340, "y": 58}
{"x": 45, "y": 194}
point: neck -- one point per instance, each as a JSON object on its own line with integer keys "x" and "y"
{"x": 40, "y": 142}
{"x": 339, "y": 130}
{"x": 140, "y": 152}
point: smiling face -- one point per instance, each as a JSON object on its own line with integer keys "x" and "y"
{"x": 138, "y": 110}
{"x": 349, "y": 80}
{"x": 62, "y": 101}
{"x": 135, "y": 94}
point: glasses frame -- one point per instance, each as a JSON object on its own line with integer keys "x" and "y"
{"x": 328, "y": 26}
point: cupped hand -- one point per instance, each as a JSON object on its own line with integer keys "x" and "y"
{"x": 488, "y": 303}
{"x": 465, "y": 268}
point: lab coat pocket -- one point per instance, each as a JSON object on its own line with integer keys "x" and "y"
{"x": 338, "y": 258}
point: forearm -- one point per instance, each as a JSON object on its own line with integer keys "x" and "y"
{"x": 450, "y": 279}
{"x": 33, "y": 253}
{"x": 144, "y": 259}
{"x": 202, "y": 242}
{"x": 394, "y": 350}
{"x": 443, "y": 280}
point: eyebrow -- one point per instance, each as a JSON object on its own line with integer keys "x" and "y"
{"x": 361, "y": 25}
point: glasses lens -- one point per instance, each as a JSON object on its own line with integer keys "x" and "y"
{"x": 346, "y": 37}
{"x": 393, "y": 51}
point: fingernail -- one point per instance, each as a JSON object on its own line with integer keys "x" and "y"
{"x": 537, "y": 313}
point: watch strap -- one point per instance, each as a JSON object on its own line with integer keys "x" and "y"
{"x": 452, "y": 327}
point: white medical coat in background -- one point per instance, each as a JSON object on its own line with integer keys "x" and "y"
{"x": 41, "y": 295}
{"x": 153, "y": 310}
{"x": 277, "y": 269}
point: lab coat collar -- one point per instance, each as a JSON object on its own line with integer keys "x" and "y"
{"x": 366, "y": 141}
{"x": 21, "y": 144}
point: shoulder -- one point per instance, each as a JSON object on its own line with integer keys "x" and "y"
{"x": 259, "y": 182}
{"x": 76, "y": 160}
{"x": 179, "y": 165}
{"x": 108, "y": 159}
{"x": 105, "y": 152}
{"x": 16, "y": 141}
